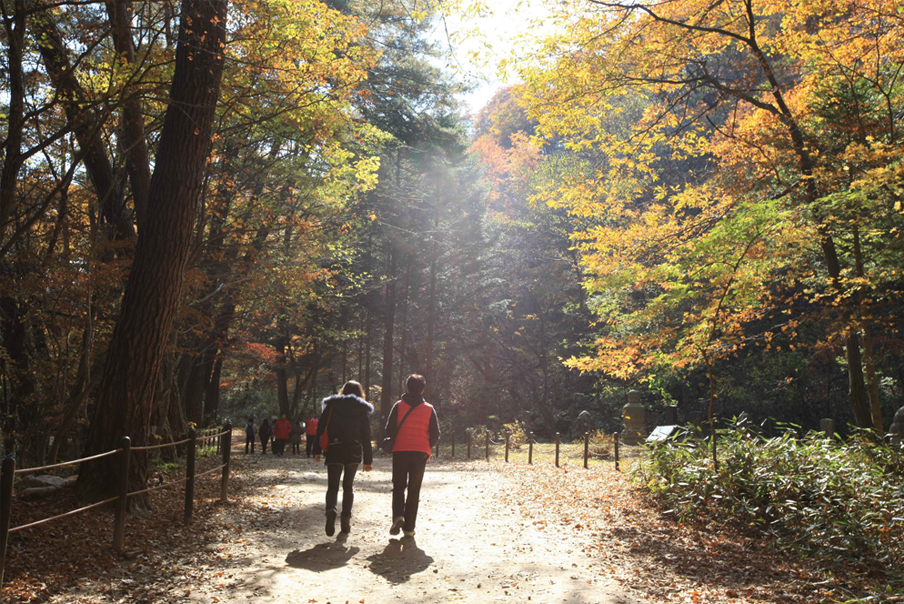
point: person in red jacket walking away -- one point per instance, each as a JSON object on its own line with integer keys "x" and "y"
{"x": 311, "y": 436}
{"x": 414, "y": 441}
{"x": 281, "y": 430}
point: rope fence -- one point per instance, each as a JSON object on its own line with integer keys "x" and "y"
{"x": 592, "y": 449}
{"x": 208, "y": 438}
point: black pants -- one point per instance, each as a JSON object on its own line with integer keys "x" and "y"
{"x": 334, "y": 473}
{"x": 264, "y": 441}
{"x": 296, "y": 447}
{"x": 309, "y": 444}
{"x": 249, "y": 441}
{"x": 279, "y": 446}
{"x": 407, "y": 472}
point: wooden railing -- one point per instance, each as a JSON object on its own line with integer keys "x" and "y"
{"x": 223, "y": 441}
{"x": 489, "y": 444}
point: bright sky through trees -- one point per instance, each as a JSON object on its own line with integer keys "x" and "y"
{"x": 483, "y": 43}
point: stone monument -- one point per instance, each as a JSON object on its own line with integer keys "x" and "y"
{"x": 583, "y": 423}
{"x": 634, "y": 416}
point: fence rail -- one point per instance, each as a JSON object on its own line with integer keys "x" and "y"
{"x": 209, "y": 437}
{"x": 531, "y": 451}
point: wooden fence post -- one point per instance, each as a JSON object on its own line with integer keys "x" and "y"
{"x": 530, "y": 449}
{"x": 488, "y": 445}
{"x": 122, "y": 504}
{"x": 226, "y": 448}
{"x": 6, "y": 501}
{"x": 558, "y": 438}
{"x": 453, "y": 445}
{"x": 615, "y": 436}
{"x": 586, "y": 448}
{"x": 508, "y": 438}
{"x": 469, "y": 444}
{"x": 190, "y": 474}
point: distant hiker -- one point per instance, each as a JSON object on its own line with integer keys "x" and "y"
{"x": 413, "y": 424}
{"x": 281, "y": 430}
{"x": 311, "y": 436}
{"x": 264, "y": 434}
{"x": 250, "y": 435}
{"x": 295, "y": 437}
{"x": 346, "y": 422}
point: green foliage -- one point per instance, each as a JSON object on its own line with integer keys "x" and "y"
{"x": 841, "y": 502}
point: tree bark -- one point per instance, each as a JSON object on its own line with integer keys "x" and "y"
{"x": 142, "y": 331}
{"x": 86, "y": 122}
{"x": 132, "y": 133}
{"x": 12, "y": 152}
{"x": 388, "y": 334}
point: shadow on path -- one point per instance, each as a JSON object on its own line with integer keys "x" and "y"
{"x": 323, "y": 556}
{"x": 400, "y": 559}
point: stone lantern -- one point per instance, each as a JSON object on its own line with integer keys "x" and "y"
{"x": 634, "y": 416}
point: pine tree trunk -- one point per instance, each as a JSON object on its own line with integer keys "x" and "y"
{"x": 142, "y": 332}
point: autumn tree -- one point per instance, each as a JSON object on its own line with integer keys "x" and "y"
{"x": 683, "y": 266}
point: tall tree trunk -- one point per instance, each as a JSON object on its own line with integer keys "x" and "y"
{"x": 872, "y": 380}
{"x": 14, "y": 24}
{"x": 388, "y": 334}
{"x": 403, "y": 325}
{"x": 86, "y": 122}
{"x": 282, "y": 390}
{"x": 142, "y": 331}
{"x": 16, "y": 363}
{"x": 132, "y": 135}
{"x": 431, "y": 314}
{"x": 368, "y": 328}
{"x": 212, "y": 395}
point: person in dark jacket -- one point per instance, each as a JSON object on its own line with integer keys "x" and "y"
{"x": 295, "y": 437}
{"x": 346, "y": 422}
{"x": 414, "y": 441}
{"x": 264, "y": 433}
{"x": 250, "y": 435}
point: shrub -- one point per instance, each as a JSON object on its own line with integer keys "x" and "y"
{"x": 840, "y": 502}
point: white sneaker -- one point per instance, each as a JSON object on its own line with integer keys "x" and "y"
{"x": 397, "y": 525}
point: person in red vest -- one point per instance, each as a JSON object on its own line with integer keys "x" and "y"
{"x": 311, "y": 436}
{"x": 414, "y": 441}
{"x": 281, "y": 430}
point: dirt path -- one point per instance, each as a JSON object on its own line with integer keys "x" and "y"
{"x": 487, "y": 532}
{"x": 470, "y": 545}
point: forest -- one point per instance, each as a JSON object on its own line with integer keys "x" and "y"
{"x": 210, "y": 210}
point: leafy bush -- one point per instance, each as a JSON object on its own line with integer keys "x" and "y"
{"x": 840, "y": 502}
{"x": 517, "y": 434}
{"x": 601, "y": 444}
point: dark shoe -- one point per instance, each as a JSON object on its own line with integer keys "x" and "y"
{"x": 397, "y": 525}
{"x": 345, "y": 524}
{"x": 330, "y": 522}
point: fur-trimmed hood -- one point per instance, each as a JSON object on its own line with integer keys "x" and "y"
{"x": 346, "y": 399}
